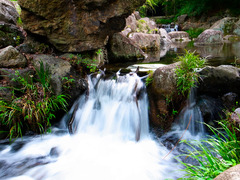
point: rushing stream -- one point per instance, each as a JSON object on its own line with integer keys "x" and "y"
{"x": 110, "y": 140}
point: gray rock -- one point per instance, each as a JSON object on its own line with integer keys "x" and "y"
{"x": 123, "y": 49}
{"x": 179, "y": 36}
{"x": 225, "y": 25}
{"x": 181, "y": 19}
{"x": 237, "y": 28}
{"x": 58, "y": 68}
{"x": 146, "y": 41}
{"x": 219, "y": 80}
{"x": 10, "y": 57}
{"x": 165, "y": 38}
{"x": 209, "y": 36}
{"x": 131, "y": 22}
{"x": 126, "y": 32}
{"x": 235, "y": 117}
{"x": 8, "y": 12}
{"x": 232, "y": 173}
{"x": 137, "y": 15}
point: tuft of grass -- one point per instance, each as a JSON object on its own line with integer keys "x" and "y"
{"x": 33, "y": 105}
{"x": 213, "y": 155}
{"x": 186, "y": 73}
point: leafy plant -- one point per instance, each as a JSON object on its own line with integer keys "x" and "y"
{"x": 213, "y": 155}
{"x": 33, "y": 104}
{"x": 164, "y": 21}
{"x": 148, "y": 5}
{"x": 194, "y": 32}
{"x": 149, "y": 79}
{"x": 67, "y": 82}
{"x": 186, "y": 74}
{"x": 85, "y": 61}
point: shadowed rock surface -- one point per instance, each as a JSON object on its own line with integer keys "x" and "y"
{"x": 76, "y": 25}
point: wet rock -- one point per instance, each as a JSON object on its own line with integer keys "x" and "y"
{"x": 124, "y": 49}
{"x": 163, "y": 96}
{"x": 220, "y": 80}
{"x": 76, "y": 26}
{"x": 146, "y": 41}
{"x": 225, "y": 25}
{"x": 10, "y": 57}
{"x": 229, "y": 100}
{"x": 179, "y": 36}
{"x": 165, "y": 37}
{"x": 209, "y": 36}
{"x": 54, "y": 152}
{"x": 8, "y": 12}
{"x": 232, "y": 173}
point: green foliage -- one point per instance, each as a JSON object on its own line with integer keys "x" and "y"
{"x": 164, "y": 21}
{"x": 187, "y": 77}
{"x": 67, "y": 82}
{"x": 85, "y": 61}
{"x": 32, "y": 106}
{"x": 148, "y": 5}
{"x": 149, "y": 79}
{"x": 214, "y": 154}
{"x": 194, "y": 32}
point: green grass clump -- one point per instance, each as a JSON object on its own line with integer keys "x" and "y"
{"x": 186, "y": 74}
{"x": 194, "y": 32}
{"x": 213, "y": 155}
{"x": 33, "y": 104}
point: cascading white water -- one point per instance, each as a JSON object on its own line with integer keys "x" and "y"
{"x": 110, "y": 140}
{"x": 191, "y": 116}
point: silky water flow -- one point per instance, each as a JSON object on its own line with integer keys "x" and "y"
{"x": 109, "y": 140}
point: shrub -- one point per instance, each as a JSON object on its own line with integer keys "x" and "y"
{"x": 213, "y": 155}
{"x": 187, "y": 77}
{"x": 32, "y": 106}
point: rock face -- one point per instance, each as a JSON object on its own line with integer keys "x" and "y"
{"x": 232, "y": 173}
{"x": 8, "y": 12}
{"x": 75, "y": 26}
{"x": 225, "y": 25}
{"x": 165, "y": 38}
{"x": 10, "y": 34}
{"x": 163, "y": 95}
{"x": 179, "y": 36}
{"x": 220, "y": 80}
{"x": 146, "y": 41}
{"x": 122, "y": 48}
{"x": 209, "y": 36}
{"x": 10, "y": 58}
{"x": 58, "y": 68}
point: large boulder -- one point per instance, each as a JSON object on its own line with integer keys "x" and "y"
{"x": 209, "y": 36}
{"x": 179, "y": 36}
{"x": 123, "y": 49}
{"x": 225, "y": 25}
{"x": 237, "y": 28}
{"x": 217, "y": 81}
{"x": 11, "y": 58}
{"x": 8, "y": 12}
{"x": 58, "y": 68}
{"x": 146, "y": 41}
{"x": 163, "y": 96}
{"x": 75, "y": 26}
{"x": 232, "y": 173}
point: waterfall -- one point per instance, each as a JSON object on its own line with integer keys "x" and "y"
{"x": 110, "y": 140}
{"x": 191, "y": 116}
